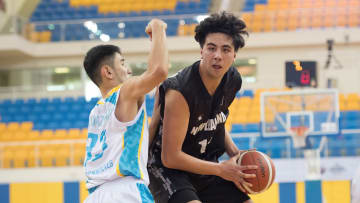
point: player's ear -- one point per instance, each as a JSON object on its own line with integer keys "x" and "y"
{"x": 106, "y": 71}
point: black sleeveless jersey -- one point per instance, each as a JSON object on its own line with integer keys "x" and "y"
{"x": 206, "y": 130}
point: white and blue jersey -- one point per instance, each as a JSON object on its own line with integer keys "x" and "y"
{"x": 116, "y": 150}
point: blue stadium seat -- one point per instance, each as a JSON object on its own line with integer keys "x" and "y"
{"x": 40, "y": 125}
{"x": 30, "y": 101}
{"x": 238, "y": 128}
{"x": 58, "y": 117}
{"x": 252, "y": 127}
{"x": 44, "y": 101}
{"x": 242, "y": 143}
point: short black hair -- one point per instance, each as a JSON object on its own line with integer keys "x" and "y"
{"x": 225, "y": 23}
{"x": 98, "y": 56}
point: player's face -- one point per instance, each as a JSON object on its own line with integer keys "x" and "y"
{"x": 218, "y": 54}
{"x": 122, "y": 71}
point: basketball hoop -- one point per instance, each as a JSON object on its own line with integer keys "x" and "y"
{"x": 299, "y": 134}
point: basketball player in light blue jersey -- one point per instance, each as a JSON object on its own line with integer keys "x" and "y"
{"x": 117, "y": 144}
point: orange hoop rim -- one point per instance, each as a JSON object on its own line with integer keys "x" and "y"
{"x": 299, "y": 130}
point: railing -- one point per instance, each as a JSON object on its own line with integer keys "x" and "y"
{"x": 36, "y": 158}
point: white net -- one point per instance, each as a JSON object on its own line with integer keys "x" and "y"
{"x": 299, "y": 135}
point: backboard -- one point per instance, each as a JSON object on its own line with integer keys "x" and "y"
{"x": 314, "y": 111}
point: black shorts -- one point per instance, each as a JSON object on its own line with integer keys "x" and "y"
{"x": 174, "y": 186}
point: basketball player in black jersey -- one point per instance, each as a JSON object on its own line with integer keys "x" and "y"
{"x": 188, "y": 123}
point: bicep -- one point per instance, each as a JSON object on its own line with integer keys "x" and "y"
{"x": 175, "y": 123}
{"x": 138, "y": 86}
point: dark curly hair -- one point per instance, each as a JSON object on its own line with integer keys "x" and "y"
{"x": 98, "y": 56}
{"x": 225, "y": 23}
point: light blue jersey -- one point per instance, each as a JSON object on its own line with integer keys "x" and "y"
{"x": 115, "y": 149}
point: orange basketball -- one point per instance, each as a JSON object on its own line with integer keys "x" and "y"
{"x": 265, "y": 173}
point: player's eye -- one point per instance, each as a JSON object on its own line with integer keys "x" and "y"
{"x": 211, "y": 48}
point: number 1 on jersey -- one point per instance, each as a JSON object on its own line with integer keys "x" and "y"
{"x": 203, "y": 144}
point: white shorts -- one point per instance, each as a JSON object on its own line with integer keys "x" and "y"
{"x": 123, "y": 190}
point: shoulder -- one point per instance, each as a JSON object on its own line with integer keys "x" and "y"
{"x": 180, "y": 80}
{"x": 234, "y": 79}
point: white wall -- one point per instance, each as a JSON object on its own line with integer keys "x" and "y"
{"x": 271, "y": 50}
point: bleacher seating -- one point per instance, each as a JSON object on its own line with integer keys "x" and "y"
{"x": 50, "y": 20}
{"x": 52, "y": 132}
{"x": 282, "y": 15}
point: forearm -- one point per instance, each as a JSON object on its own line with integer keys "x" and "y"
{"x": 230, "y": 147}
{"x": 185, "y": 162}
{"x": 158, "y": 58}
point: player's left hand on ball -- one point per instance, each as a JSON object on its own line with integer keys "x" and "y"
{"x": 241, "y": 181}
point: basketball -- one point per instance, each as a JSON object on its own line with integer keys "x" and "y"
{"x": 265, "y": 173}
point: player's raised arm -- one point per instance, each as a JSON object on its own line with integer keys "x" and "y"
{"x": 157, "y": 69}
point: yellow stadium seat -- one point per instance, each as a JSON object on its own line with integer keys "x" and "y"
{"x": 305, "y": 19}
{"x": 295, "y": 107}
{"x": 283, "y": 107}
{"x": 170, "y": 5}
{"x": 74, "y": 133}
{"x": 352, "y": 97}
{"x": 353, "y": 105}
{"x": 181, "y": 30}
{"x": 7, "y": 136}
{"x": 75, "y": 3}
{"x": 84, "y": 133}
{"x": 60, "y": 134}
{"x": 253, "y": 118}
{"x": 2, "y": 127}
{"x": 86, "y": 2}
{"x": 317, "y": 19}
{"x": 280, "y": 24}
{"x": 8, "y": 157}
{"x": 330, "y": 3}
{"x": 240, "y": 119}
{"x": 312, "y": 107}
{"x": 245, "y": 101}
{"x": 79, "y": 153}
{"x": 269, "y": 118}
{"x": 20, "y": 136}
{"x": 329, "y": 17}
{"x": 260, "y": 7}
{"x": 47, "y": 156}
{"x": 271, "y": 7}
{"x": 46, "y": 135}
{"x": 45, "y": 36}
{"x": 342, "y": 3}
{"x": 247, "y": 17}
{"x": 104, "y": 8}
{"x": 228, "y": 126}
{"x": 62, "y": 155}
{"x": 20, "y": 156}
{"x": 318, "y": 4}
{"x": 26, "y": 126}
{"x": 13, "y": 126}
{"x": 34, "y": 36}
{"x": 354, "y": 3}
{"x": 30, "y": 158}
{"x": 191, "y": 29}
{"x": 342, "y": 105}
{"x": 34, "y": 135}
{"x": 258, "y": 17}
{"x": 341, "y": 97}
{"x": 268, "y": 23}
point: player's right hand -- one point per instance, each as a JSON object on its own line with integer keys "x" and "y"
{"x": 153, "y": 24}
{"x": 231, "y": 171}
